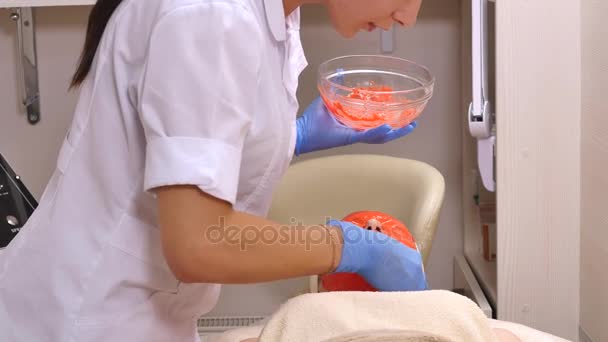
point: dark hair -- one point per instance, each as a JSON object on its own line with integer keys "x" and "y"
{"x": 98, "y": 19}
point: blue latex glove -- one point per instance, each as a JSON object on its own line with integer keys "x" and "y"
{"x": 319, "y": 130}
{"x": 385, "y": 263}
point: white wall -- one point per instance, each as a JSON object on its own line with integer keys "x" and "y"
{"x": 32, "y": 150}
{"x": 434, "y": 42}
{"x": 594, "y": 154}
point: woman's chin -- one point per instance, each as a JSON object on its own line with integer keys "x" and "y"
{"x": 347, "y": 34}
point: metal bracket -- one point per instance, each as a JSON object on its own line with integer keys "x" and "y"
{"x": 480, "y": 114}
{"x": 28, "y": 62}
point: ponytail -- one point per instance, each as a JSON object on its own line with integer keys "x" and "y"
{"x": 98, "y": 19}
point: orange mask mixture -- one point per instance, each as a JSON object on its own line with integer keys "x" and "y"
{"x": 361, "y": 118}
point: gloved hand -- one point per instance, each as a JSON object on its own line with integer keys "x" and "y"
{"x": 319, "y": 130}
{"x": 382, "y": 261}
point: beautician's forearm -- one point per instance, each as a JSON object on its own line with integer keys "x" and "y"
{"x": 204, "y": 240}
{"x": 259, "y": 250}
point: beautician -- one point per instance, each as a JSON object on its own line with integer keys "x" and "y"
{"x": 186, "y": 120}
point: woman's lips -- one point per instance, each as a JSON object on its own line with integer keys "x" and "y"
{"x": 371, "y": 27}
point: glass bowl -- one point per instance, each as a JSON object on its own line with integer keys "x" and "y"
{"x": 367, "y": 91}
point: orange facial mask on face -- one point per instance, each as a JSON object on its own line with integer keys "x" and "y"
{"x": 371, "y": 220}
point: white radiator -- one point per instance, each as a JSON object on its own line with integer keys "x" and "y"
{"x": 208, "y": 326}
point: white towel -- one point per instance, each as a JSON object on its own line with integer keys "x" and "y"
{"x": 323, "y": 316}
{"x": 367, "y": 316}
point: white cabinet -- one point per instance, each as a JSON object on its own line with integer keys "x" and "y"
{"x": 535, "y": 278}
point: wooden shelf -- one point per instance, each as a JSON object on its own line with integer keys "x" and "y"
{"x": 44, "y": 3}
{"x": 485, "y": 271}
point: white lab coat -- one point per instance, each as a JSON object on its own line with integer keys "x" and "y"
{"x": 195, "y": 92}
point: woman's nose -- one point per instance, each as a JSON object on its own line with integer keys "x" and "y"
{"x": 406, "y": 14}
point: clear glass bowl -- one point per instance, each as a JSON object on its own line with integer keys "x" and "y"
{"x": 368, "y": 91}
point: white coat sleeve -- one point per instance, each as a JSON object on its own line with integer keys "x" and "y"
{"x": 196, "y": 100}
